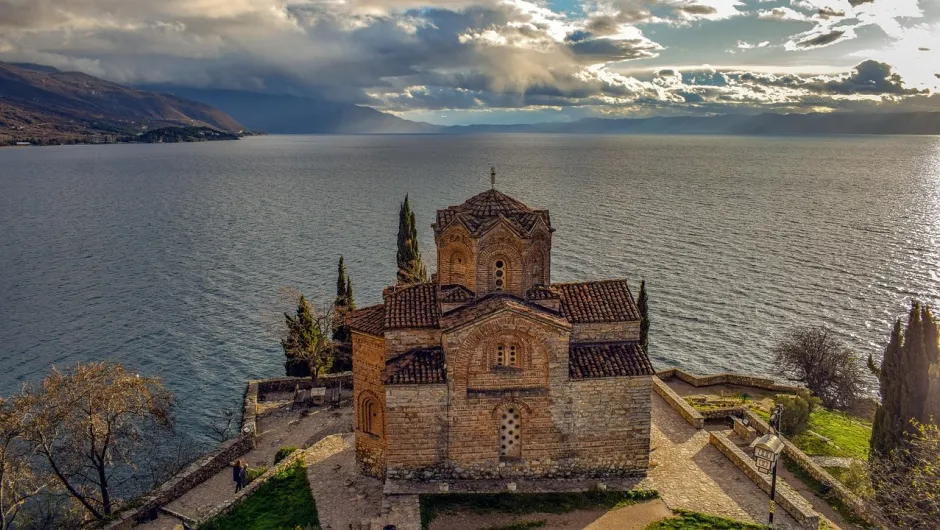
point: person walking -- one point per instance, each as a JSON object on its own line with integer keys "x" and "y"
{"x": 243, "y": 475}
{"x": 237, "y": 475}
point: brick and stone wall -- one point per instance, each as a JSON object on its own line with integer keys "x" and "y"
{"x": 369, "y": 386}
{"x": 605, "y": 332}
{"x": 398, "y": 341}
{"x": 416, "y": 418}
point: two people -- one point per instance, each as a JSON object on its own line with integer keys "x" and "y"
{"x": 239, "y": 474}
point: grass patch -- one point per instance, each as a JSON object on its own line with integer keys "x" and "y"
{"x": 283, "y": 453}
{"x": 819, "y": 489}
{"x": 526, "y": 525}
{"x": 283, "y": 503}
{"x": 686, "y": 520}
{"x": 849, "y": 435}
{"x": 524, "y": 503}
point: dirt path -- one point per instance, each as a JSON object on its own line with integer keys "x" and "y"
{"x": 343, "y": 496}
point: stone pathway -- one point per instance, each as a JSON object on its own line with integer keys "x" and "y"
{"x": 343, "y": 496}
{"x": 691, "y": 474}
{"x": 278, "y": 429}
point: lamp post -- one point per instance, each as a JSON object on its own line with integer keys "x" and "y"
{"x": 767, "y": 449}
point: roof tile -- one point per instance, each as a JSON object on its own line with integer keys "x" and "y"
{"x": 414, "y": 306}
{"x": 369, "y": 320}
{"x": 422, "y": 366}
{"x": 599, "y": 301}
{"x": 481, "y": 211}
{"x": 608, "y": 359}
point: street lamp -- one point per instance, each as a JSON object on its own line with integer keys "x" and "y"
{"x": 767, "y": 449}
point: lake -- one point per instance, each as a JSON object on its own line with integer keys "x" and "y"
{"x": 169, "y": 258}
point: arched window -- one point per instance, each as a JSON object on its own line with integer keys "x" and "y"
{"x": 510, "y": 433}
{"x": 369, "y": 417}
{"x": 500, "y": 274}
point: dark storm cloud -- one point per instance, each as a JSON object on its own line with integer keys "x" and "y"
{"x": 828, "y": 12}
{"x": 856, "y": 3}
{"x": 698, "y": 10}
{"x": 867, "y": 78}
{"x": 821, "y": 40}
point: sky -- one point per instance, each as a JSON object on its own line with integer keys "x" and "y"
{"x": 505, "y": 61}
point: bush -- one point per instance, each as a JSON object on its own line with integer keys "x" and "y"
{"x": 796, "y": 412}
{"x": 254, "y": 472}
{"x": 283, "y": 453}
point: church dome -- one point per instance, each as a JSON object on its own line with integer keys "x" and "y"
{"x": 479, "y": 212}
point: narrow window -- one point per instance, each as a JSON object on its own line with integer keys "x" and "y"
{"x": 369, "y": 416}
{"x": 510, "y": 428}
{"x": 512, "y": 356}
{"x": 500, "y": 274}
{"x": 500, "y": 355}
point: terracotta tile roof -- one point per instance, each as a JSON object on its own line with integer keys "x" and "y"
{"x": 414, "y": 306}
{"x": 600, "y": 301}
{"x": 495, "y": 301}
{"x": 423, "y": 366}
{"x": 455, "y": 293}
{"x": 369, "y": 320}
{"x": 541, "y": 292}
{"x": 482, "y": 211}
{"x": 608, "y": 359}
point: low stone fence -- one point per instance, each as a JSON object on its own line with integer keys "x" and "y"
{"x": 726, "y": 379}
{"x": 328, "y": 445}
{"x": 194, "y": 474}
{"x": 289, "y": 384}
{"x": 787, "y": 498}
{"x": 678, "y": 404}
{"x": 797, "y": 456}
{"x": 720, "y": 413}
{"x": 250, "y": 409}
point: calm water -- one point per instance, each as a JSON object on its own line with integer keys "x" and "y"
{"x": 169, "y": 257}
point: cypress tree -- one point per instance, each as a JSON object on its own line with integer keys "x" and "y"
{"x": 410, "y": 267}
{"x": 643, "y": 305}
{"x": 341, "y": 281}
{"x": 350, "y": 301}
{"x": 905, "y": 380}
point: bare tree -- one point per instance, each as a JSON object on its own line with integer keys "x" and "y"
{"x": 19, "y": 480}
{"x": 223, "y": 425}
{"x": 907, "y": 483}
{"x": 88, "y": 424}
{"x": 815, "y": 357}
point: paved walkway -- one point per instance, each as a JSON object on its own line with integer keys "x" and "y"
{"x": 691, "y": 474}
{"x": 343, "y": 496}
{"x": 278, "y": 429}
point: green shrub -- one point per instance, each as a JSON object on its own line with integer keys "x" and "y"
{"x": 686, "y": 520}
{"x": 283, "y": 453}
{"x": 253, "y": 473}
{"x": 796, "y": 412}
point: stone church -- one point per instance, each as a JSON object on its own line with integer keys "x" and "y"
{"x": 493, "y": 371}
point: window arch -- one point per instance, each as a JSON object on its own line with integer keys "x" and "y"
{"x": 499, "y": 274}
{"x": 510, "y": 432}
{"x": 370, "y": 420}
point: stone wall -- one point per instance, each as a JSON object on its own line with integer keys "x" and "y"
{"x": 416, "y": 418}
{"x": 721, "y": 413}
{"x": 369, "y": 385}
{"x": 197, "y": 472}
{"x": 726, "y": 379}
{"x": 678, "y": 404}
{"x": 398, "y": 341}
{"x": 605, "y": 332}
{"x": 787, "y": 498}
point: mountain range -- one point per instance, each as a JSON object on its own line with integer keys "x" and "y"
{"x": 39, "y": 101}
{"x": 42, "y": 102}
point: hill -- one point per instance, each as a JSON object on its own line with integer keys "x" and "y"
{"x": 283, "y": 114}
{"x": 796, "y": 124}
{"x": 44, "y": 103}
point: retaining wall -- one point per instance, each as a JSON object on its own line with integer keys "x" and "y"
{"x": 678, "y": 404}
{"x": 794, "y": 453}
{"x": 726, "y": 379}
{"x": 787, "y": 498}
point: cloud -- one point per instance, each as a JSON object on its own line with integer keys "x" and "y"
{"x": 783, "y": 13}
{"x": 826, "y": 13}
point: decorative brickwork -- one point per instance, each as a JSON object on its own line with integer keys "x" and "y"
{"x": 491, "y": 371}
